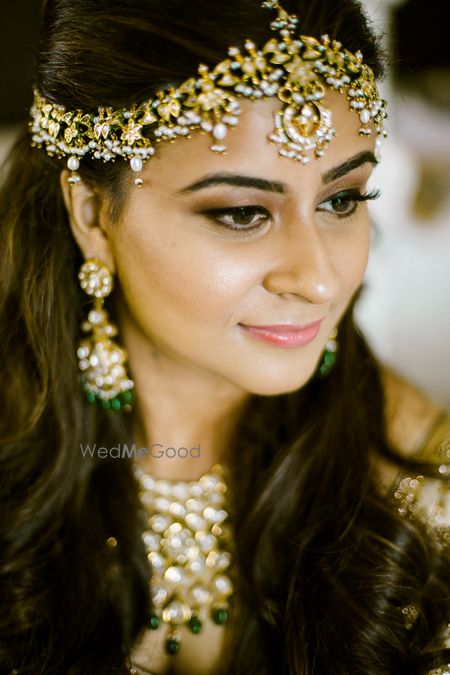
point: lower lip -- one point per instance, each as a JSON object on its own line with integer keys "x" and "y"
{"x": 285, "y": 338}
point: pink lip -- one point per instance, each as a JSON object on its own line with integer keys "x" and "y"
{"x": 284, "y": 335}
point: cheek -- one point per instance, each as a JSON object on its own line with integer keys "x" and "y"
{"x": 350, "y": 256}
{"x": 164, "y": 279}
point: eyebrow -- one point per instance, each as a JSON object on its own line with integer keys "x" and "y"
{"x": 364, "y": 157}
{"x": 236, "y": 180}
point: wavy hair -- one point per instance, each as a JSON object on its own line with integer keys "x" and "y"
{"x": 324, "y": 562}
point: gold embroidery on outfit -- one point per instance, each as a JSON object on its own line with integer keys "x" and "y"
{"x": 418, "y": 497}
{"x": 409, "y": 491}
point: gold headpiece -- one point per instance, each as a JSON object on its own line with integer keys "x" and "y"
{"x": 295, "y": 70}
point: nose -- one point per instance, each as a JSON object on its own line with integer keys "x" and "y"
{"x": 303, "y": 266}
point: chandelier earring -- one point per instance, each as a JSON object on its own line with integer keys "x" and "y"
{"x": 101, "y": 360}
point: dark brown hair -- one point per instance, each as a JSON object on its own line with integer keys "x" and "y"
{"x": 324, "y": 561}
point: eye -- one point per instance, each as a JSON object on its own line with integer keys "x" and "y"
{"x": 344, "y": 204}
{"x": 244, "y": 218}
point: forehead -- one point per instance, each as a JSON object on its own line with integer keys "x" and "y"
{"x": 250, "y": 151}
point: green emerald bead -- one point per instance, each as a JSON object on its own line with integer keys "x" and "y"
{"x": 195, "y": 624}
{"x": 105, "y": 404}
{"x": 127, "y": 396}
{"x": 91, "y": 397}
{"x": 172, "y": 646}
{"x": 329, "y": 358}
{"x": 220, "y": 615}
{"x": 153, "y": 622}
{"x": 116, "y": 404}
{"x": 324, "y": 369}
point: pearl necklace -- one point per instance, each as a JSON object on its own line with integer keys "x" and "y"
{"x": 188, "y": 545}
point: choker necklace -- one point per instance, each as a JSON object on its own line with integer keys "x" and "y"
{"x": 188, "y": 544}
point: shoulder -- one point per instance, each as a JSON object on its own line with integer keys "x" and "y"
{"x": 410, "y": 414}
{"x": 419, "y": 429}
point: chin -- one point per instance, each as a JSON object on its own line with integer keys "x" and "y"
{"x": 275, "y": 383}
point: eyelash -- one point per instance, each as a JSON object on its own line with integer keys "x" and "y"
{"x": 353, "y": 196}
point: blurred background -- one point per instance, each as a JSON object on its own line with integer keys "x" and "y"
{"x": 405, "y": 308}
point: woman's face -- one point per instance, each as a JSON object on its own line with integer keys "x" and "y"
{"x": 212, "y": 243}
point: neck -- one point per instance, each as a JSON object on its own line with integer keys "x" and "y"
{"x": 183, "y": 418}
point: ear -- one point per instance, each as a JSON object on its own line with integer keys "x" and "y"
{"x": 88, "y": 220}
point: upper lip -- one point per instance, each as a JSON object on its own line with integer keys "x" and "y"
{"x": 286, "y": 326}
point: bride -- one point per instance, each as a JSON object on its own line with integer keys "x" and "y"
{"x": 204, "y": 468}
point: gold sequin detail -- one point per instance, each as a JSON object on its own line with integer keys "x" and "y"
{"x": 407, "y": 497}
